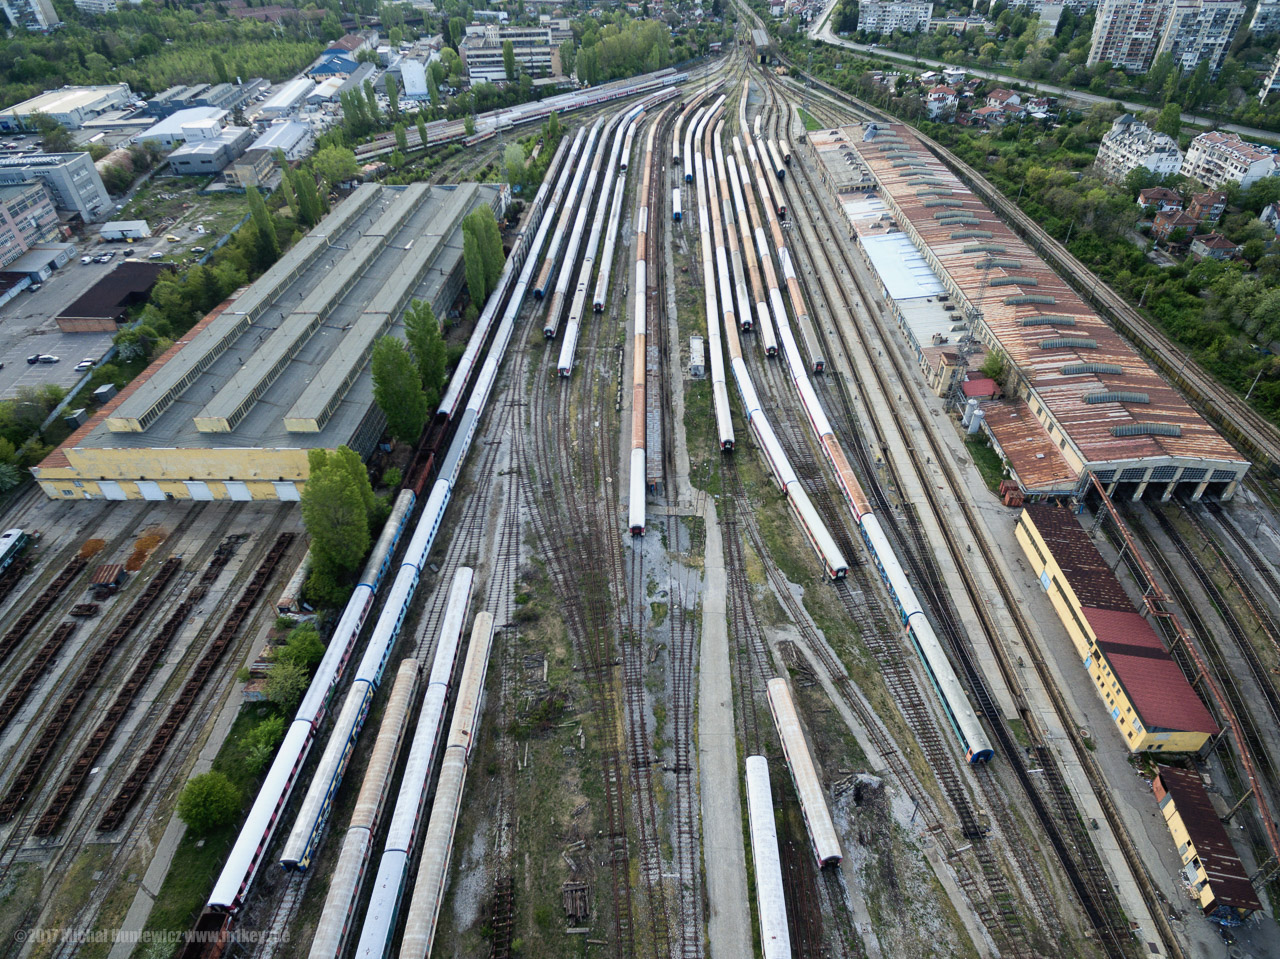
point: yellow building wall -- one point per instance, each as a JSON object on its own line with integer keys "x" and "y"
{"x": 1186, "y": 850}
{"x": 1083, "y": 639}
{"x": 170, "y": 469}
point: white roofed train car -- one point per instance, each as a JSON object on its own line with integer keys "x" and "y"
{"x": 771, "y": 900}
{"x": 813, "y": 801}
{"x": 675, "y": 205}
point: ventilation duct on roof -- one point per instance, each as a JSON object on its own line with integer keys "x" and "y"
{"x": 972, "y": 235}
{"x": 1069, "y": 342}
{"x": 1048, "y": 320}
{"x": 1029, "y": 298}
{"x": 1116, "y": 396}
{"x": 1013, "y": 281}
{"x": 1147, "y": 429}
{"x": 1075, "y": 369}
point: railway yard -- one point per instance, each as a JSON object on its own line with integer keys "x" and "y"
{"x": 671, "y": 654}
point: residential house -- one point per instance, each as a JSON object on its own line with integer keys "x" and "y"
{"x": 1208, "y": 208}
{"x": 1271, "y": 216}
{"x": 1166, "y": 223}
{"x": 1002, "y": 98}
{"x": 1160, "y": 197}
{"x": 940, "y": 100}
{"x": 1213, "y": 246}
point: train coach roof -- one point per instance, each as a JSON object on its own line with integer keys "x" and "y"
{"x": 1155, "y": 685}
{"x": 1088, "y": 574}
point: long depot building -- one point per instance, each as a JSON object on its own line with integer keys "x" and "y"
{"x": 1149, "y": 699}
{"x": 230, "y": 411}
{"x": 959, "y": 282}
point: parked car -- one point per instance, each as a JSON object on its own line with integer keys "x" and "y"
{"x": 171, "y": 238}
{"x": 156, "y": 254}
{"x": 33, "y": 359}
{"x": 87, "y": 363}
{"x": 47, "y": 358}
{"x": 86, "y": 259}
{"x": 197, "y": 249}
{"x": 35, "y": 286}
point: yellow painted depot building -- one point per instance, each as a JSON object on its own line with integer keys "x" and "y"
{"x": 1149, "y": 699}
{"x": 188, "y": 474}
{"x": 1212, "y": 871}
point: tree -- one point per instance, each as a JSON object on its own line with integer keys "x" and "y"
{"x": 209, "y": 801}
{"x": 509, "y": 59}
{"x": 393, "y": 97}
{"x": 427, "y": 346}
{"x": 371, "y": 96}
{"x": 513, "y": 160}
{"x": 220, "y": 67}
{"x": 261, "y": 741}
{"x": 268, "y": 246}
{"x": 335, "y": 514}
{"x": 433, "y": 87}
{"x": 1170, "y": 120}
{"x": 553, "y": 127}
{"x": 286, "y": 685}
{"x": 473, "y": 262}
{"x": 568, "y": 57}
{"x": 490, "y": 245}
{"x": 303, "y": 646}
{"x": 422, "y": 132}
{"x": 993, "y": 366}
{"x": 397, "y": 389}
{"x": 469, "y": 124}
{"x": 54, "y": 134}
{"x": 334, "y": 165}
{"x": 402, "y": 138}
{"x": 457, "y": 30}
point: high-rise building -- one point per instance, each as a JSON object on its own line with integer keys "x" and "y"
{"x": 1197, "y": 31}
{"x": 1127, "y": 32}
{"x": 27, "y": 217}
{"x": 1266, "y": 18}
{"x": 31, "y": 14}
{"x": 1271, "y": 81}
{"x": 71, "y": 179}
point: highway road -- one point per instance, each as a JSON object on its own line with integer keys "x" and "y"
{"x": 822, "y": 31}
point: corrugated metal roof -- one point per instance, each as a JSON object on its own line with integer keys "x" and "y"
{"x": 1156, "y": 687}
{"x": 1031, "y": 453}
{"x": 1005, "y": 307}
{"x": 1088, "y": 574}
{"x": 106, "y": 575}
{"x": 1227, "y": 876}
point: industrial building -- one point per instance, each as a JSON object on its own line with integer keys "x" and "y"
{"x": 1151, "y": 702}
{"x": 481, "y": 52}
{"x": 230, "y": 411}
{"x": 210, "y": 155}
{"x": 193, "y": 123}
{"x": 103, "y": 307}
{"x": 1082, "y": 401}
{"x": 1211, "y": 868}
{"x": 73, "y": 107}
{"x": 27, "y": 219}
{"x": 287, "y": 99}
{"x": 71, "y": 179}
{"x": 291, "y": 136}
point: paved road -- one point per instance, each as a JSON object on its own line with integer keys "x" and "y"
{"x": 822, "y": 31}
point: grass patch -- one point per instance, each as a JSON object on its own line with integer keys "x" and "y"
{"x": 196, "y": 864}
{"x": 986, "y": 459}
{"x": 810, "y": 124}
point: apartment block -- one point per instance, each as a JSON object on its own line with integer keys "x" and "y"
{"x": 1126, "y": 33}
{"x": 1271, "y": 81}
{"x": 1197, "y": 31}
{"x": 1130, "y": 144}
{"x": 1266, "y": 18}
{"x": 885, "y": 17}
{"x": 1216, "y": 158}
{"x": 36, "y": 15}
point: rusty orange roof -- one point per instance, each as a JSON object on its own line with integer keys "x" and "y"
{"x": 1027, "y": 447}
{"x": 1087, "y": 381}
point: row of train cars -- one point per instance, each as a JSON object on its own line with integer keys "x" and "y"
{"x": 494, "y": 330}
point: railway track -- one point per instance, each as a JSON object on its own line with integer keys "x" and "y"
{"x": 1071, "y": 845}
{"x": 1251, "y": 432}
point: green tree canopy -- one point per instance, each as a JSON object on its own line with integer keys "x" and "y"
{"x": 1170, "y": 120}
{"x": 334, "y": 165}
{"x": 335, "y": 513}
{"x": 393, "y": 97}
{"x": 397, "y": 389}
{"x": 509, "y": 59}
{"x": 427, "y": 346}
{"x": 286, "y": 685}
{"x": 209, "y": 801}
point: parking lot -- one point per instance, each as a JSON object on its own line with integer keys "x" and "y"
{"x": 27, "y": 328}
